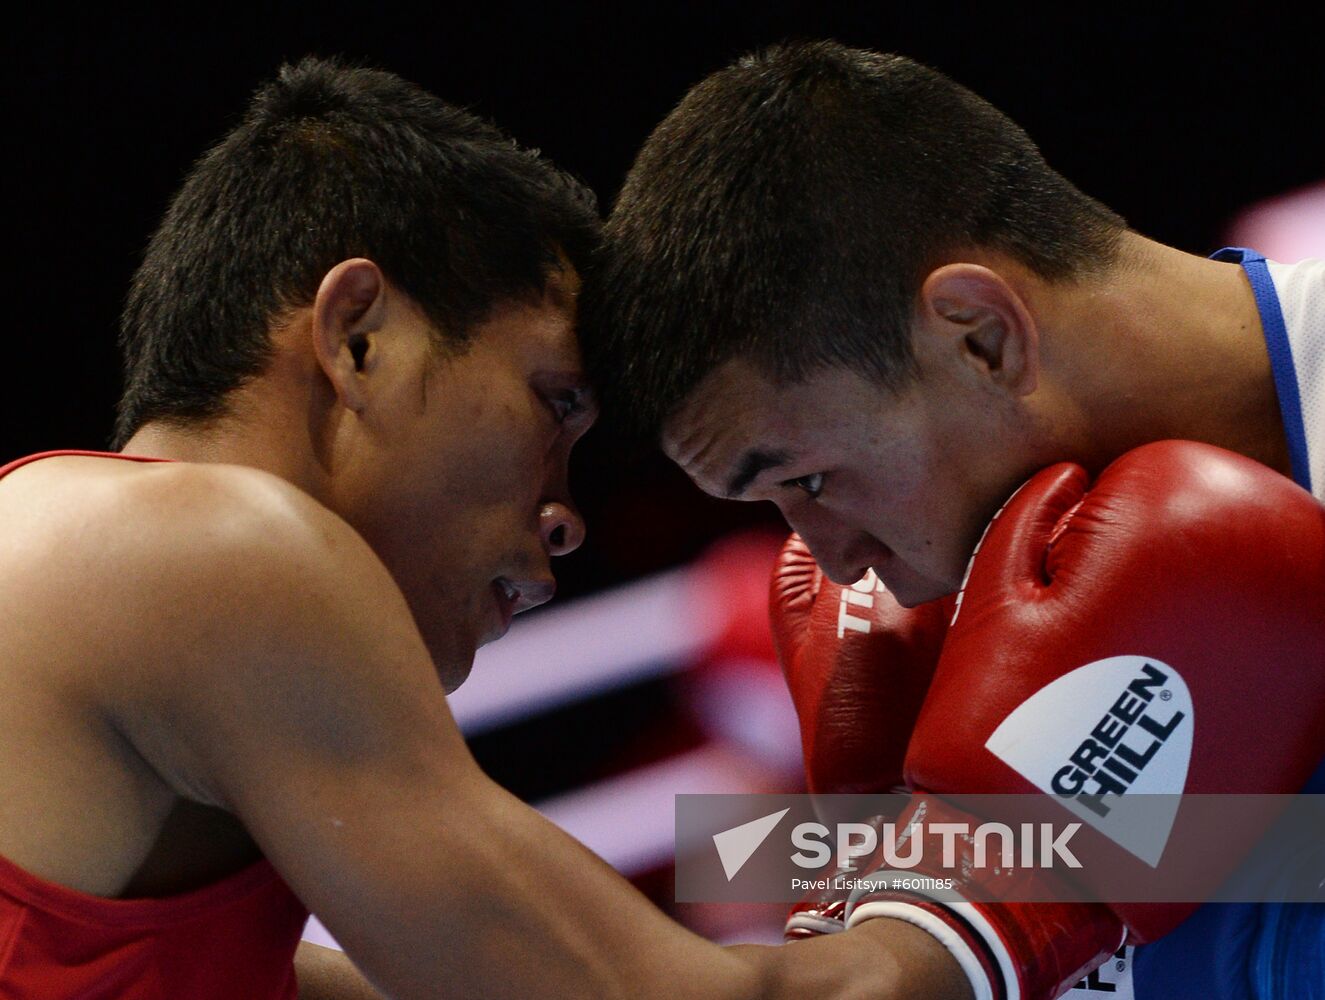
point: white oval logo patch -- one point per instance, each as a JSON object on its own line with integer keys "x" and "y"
{"x": 1101, "y": 735}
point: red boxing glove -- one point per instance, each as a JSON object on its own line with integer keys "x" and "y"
{"x": 1158, "y": 632}
{"x": 858, "y": 665}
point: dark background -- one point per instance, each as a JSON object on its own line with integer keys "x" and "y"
{"x": 1176, "y": 121}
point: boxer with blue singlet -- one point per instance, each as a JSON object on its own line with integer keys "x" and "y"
{"x": 840, "y": 282}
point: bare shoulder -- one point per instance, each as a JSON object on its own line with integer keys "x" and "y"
{"x": 179, "y": 596}
{"x": 123, "y": 535}
{"x": 110, "y": 503}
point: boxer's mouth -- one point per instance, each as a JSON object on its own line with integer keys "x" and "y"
{"x": 507, "y": 597}
{"x": 514, "y": 596}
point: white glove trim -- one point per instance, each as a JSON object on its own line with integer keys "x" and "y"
{"x": 815, "y": 924}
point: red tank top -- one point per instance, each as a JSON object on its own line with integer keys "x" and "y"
{"x": 230, "y": 940}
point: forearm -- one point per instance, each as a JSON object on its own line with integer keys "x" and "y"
{"x": 879, "y": 960}
{"x": 437, "y": 882}
{"x": 327, "y": 974}
{"x": 563, "y": 924}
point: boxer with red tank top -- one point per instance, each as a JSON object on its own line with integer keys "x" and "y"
{"x": 351, "y": 346}
{"x": 234, "y": 937}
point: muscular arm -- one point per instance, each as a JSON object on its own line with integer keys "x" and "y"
{"x": 291, "y": 687}
{"x": 882, "y": 958}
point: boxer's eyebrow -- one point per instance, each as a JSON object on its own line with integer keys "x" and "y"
{"x": 753, "y": 462}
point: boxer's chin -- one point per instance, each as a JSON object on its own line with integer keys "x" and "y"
{"x": 910, "y": 587}
{"x": 454, "y": 674}
{"x": 914, "y": 598}
{"x": 453, "y": 661}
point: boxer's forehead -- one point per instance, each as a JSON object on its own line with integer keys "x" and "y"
{"x": 738, "y": 424}
{"x": 721, "y": 419}
{"x": 563, "y": 286}
{"x": 540, "y": 330}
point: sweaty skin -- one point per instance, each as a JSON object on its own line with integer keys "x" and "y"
{"x": 245, "y": 651}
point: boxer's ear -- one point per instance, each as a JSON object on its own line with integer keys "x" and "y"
{"x": 348, "y": 313}
{"x": 970, "y": 316}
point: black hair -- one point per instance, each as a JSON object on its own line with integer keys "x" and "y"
{"x": 331, "y": 162}
{"x": 788, "y": 208}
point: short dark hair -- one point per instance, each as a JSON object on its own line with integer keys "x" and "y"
{"x": 331, "y": 162}
{"x": 787, "y": 209}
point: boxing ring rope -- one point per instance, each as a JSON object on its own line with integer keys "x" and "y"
{"x": 586, "y": 648}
